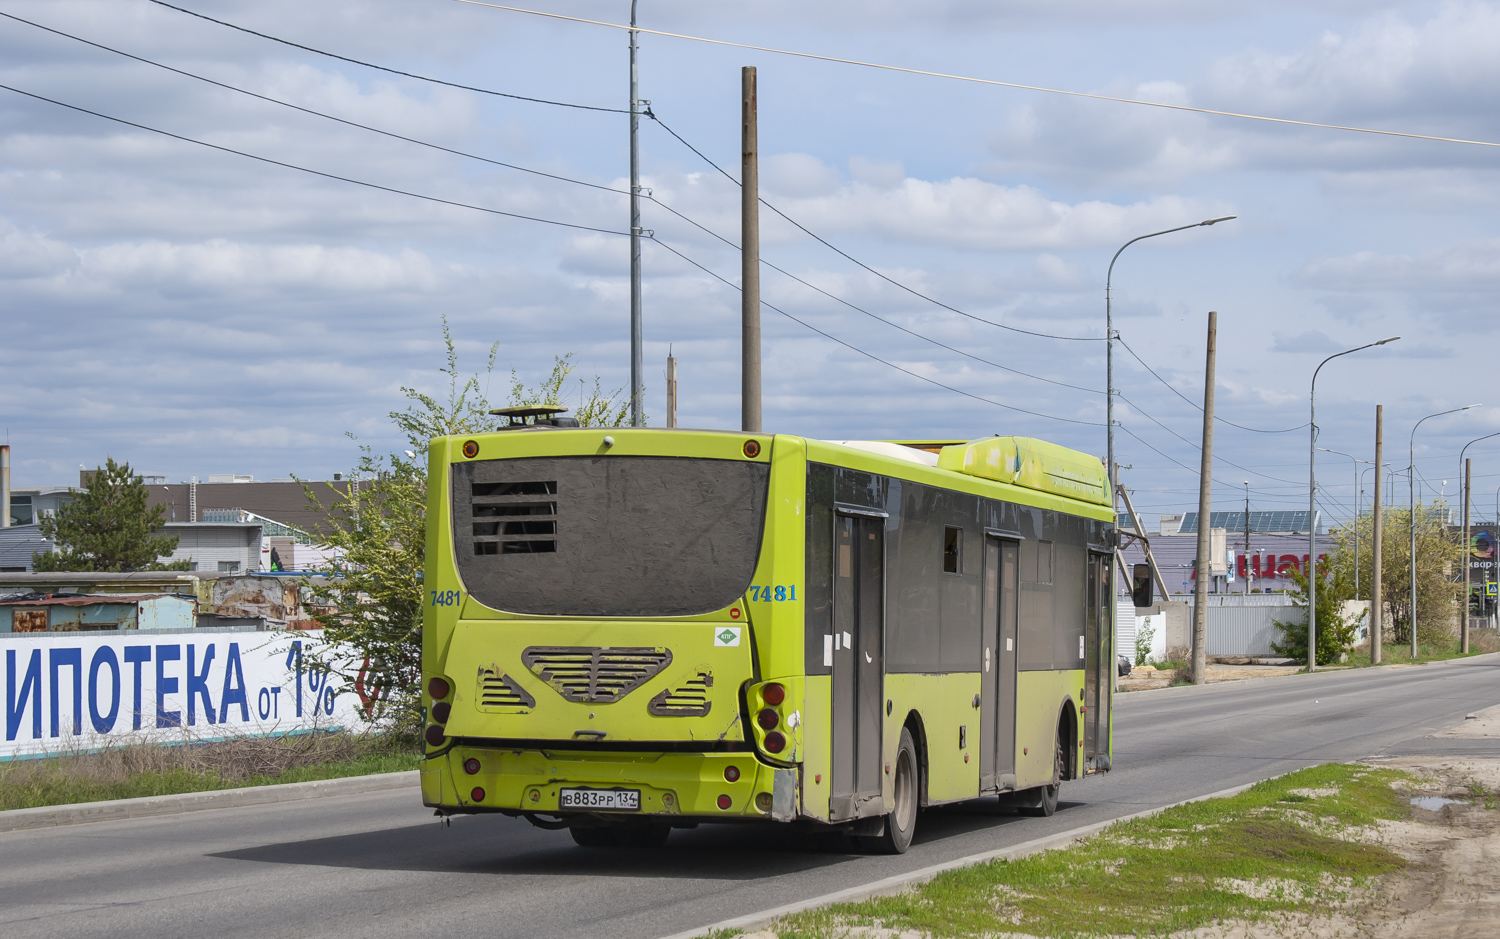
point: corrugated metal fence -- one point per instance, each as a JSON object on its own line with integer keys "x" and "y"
{"x": 1237, "y": 624}
{"x": 1246, "y": 628}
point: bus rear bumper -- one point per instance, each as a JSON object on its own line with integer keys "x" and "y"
{"x": 696, "y": 785}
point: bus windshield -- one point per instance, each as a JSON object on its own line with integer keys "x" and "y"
{"x": 608, "y": 535}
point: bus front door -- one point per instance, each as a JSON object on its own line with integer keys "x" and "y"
{"x": 858, "y": 666}
{"x": 997, "y": 721}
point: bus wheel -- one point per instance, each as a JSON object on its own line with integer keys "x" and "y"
{"x": 902, "y": 820}
{"x": 1044, "y": 798}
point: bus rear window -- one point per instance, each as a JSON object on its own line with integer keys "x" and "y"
{"x": 608, "y": 536}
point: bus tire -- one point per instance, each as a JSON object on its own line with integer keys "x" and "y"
{"x": 1043, "y": 799}
{"x": 901, "y": 822}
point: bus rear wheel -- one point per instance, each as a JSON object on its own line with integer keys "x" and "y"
{"x": 1042, "y": 801}
{"x": 901, "y": 822}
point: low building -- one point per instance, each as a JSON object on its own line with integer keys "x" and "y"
{"x": 40, "y": 613}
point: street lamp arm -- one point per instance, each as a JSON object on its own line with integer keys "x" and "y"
{"x": 1166, "y": 231}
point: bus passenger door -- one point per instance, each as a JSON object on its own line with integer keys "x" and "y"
{"x": 858, "y": 665}
{"x": 1099, "y": 662}
{"x": 997, "y": 722}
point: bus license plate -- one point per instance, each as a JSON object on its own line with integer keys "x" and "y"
{"x": 617, "y": 800}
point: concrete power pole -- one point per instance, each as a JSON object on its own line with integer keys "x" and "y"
{"x": 1376, "y": 602}
{"x": 671, "y": 389}
{"x": 749, "y": 257}
{"x": 637, "y": 389}
{"x": 1205, "y": 480}
{"x": 1464, "y": 627}
{"x": 4, "y": 485}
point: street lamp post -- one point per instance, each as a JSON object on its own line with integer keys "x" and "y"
{"x": 1312, "y": 496}
{"x": 1357, "y": 461}
{"x": 1466, "y": 498}
{"x": 1411, "y": 496}
{"x": 1109, "y": 341}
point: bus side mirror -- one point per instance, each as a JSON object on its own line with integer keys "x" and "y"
{"x": 1140, "y": 585}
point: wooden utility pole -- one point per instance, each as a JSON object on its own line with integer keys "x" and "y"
{"x": 1376, "y": 601}
{"x": 1205, "y": 532}
{"x": 671, "y": 389}
{"x": 749, "y": 257}
{"x": 1464, "y": 627}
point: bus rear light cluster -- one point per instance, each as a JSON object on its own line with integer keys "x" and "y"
{"x": 477, "y": 795}
{"x": 773, "y": 694}
{"x": 731, "y": 774}
{"x": 775, "y": 742}
{"x": 471, "y": 766}
{"x": 438, "y": 688}
{"x": 767, "y": 719}
{"x": 725, "y": 802}
{"x": 763, "y": 801}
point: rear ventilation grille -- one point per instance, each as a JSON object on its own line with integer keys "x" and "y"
{"x": 690, "y": 699}
{"x": 499, "y": 692}
{"x": 515, "y": 518}
{"x": 595, "y": 675}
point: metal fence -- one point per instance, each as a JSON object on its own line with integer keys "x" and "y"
{"x": 1247, "y": 628}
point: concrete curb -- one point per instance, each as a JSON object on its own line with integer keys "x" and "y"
{"x": 900, "y": 882}
{"x": 52, "y": 816}
{"x": 1367, "y": 670}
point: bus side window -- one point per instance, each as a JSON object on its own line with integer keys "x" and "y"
{"x": 952, "y": 549}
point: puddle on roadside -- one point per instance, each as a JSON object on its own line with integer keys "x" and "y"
{"x": 1435, "y": 803}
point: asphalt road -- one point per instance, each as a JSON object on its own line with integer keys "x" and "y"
{"x": 379, "y": 865}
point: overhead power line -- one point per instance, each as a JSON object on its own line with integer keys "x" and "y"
{"x": 304, "y": 110}
{"x": 393, "y": 71}
{"x": 870, "y": 355}
{"x": 856, "y": 261}
{"x": 648, "y": 113}
{"x": 989, "y": 81}
{"x": 309, "y": 170}
{"x": 859, "y": 309}
{"x": 530, "y": 218}
{"x": 1171, "y": 388}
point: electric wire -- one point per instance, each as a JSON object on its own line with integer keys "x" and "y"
{"x": 988, "y": 81}
{"x": 1199, "y": 447}
{"x": 647, "y": 113}
{"x": 393, "y": 71}
{"x": 309, "y": 170}
{"x": 871, "y": 355}
{"x": 1222, "y": 420}
{"x": 535, "y": 172}
{"x": 856, "y": 261}
{"x": 305, "y": 110}
{"x": 872, "y": 315}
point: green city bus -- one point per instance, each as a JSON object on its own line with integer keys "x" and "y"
{"x": 631, "y": 630}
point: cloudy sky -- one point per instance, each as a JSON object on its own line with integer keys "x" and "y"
{"x": 196, "y": 311}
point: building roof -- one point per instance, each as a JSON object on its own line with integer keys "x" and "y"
{"x": 86, "y": 599}
{"x": 283, "y": 501}
{"x": 1266, "y": 523}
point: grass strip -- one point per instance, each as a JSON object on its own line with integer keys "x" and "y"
{"x": 1286, "y": 844}
{"x": 139, "y": 770}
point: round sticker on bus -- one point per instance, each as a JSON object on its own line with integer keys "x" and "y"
{"x": 752, "y": 448}
{"x": 471, "y": 448}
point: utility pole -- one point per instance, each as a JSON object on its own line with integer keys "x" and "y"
{"x": 749, "y": 257}
{"x": 4, "y": 485}
{"x": 1247, "y": 537}
{"x": 1375, "y": 599}
{"x": 637, "y": 390}
{"x": 1464, "y": 628}
{"x": 1205, "y": 533}
{"x": 671, "y": 388}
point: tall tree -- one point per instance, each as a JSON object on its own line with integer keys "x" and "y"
{"x": 377, "y": 528}
{"x": 1438, "y": 558}
{"x": 108, "y": 527}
